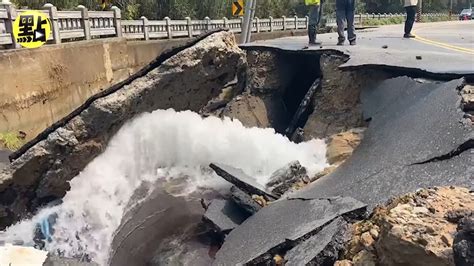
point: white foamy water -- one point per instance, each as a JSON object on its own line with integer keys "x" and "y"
{"x": 162, "y": 144}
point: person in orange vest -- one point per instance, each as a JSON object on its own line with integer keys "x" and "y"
{"x": 410, "y": 7}
{"x": 314, "y": 17}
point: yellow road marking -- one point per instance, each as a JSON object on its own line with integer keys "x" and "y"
{"x": 444, "y": 45}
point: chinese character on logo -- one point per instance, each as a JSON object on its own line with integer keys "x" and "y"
{"x": 26, "y": 26}
{"x": 40, "y": 33}
{"x": 31, "y": 29}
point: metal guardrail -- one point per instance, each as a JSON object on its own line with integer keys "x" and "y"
{"x": 82, "y": 24}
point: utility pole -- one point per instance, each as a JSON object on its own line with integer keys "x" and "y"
{"x": 252, "y": 15}
{"x": 450, "y": 8}
{"x": 246, "y": 27}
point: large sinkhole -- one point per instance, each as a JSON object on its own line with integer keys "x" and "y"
{"x": 140, "y": 201}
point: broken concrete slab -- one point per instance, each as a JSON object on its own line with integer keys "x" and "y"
{"x": 241, "y": 180}
{"x": 286, "y": 177}
{"x": 244, "y": 200}
{"x": 281, "y": 221}
{"x": 411, "y": 124}
{"x": 224, "y": 215}
{"x": 323, "y": 248}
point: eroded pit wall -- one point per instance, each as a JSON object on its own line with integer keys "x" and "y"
{"x": 278, "y": 80}
{"x": 276, "y": 83}
{"x": 186, "y": 80}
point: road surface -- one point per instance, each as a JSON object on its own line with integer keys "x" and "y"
{"x": 444, "y": 47}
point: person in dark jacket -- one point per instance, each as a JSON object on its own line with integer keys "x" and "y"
{"x": 345, "y": 12}
{"x": 410, "y": 7}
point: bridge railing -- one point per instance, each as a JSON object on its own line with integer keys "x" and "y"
{"x": 82, "y": 24}
{"x": 360, "y": 18}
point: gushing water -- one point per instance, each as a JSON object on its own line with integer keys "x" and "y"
{"x": 162, "y": 144}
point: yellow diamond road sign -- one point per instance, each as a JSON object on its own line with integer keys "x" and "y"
{"x": 238, "y": 8}
{"x": 31, "y": 29}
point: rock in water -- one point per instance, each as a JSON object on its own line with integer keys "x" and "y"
{"x": 244, "y": 200}
{"x": 463, "y": 246}
{"x": 185, "y": 78}
{"x": 286, "y": 177}
{"x": 241, "y": 180}
{"x": 323, "y": 248}
{"x": 224, "y": 215}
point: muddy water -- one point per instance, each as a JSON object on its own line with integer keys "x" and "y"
{"x": 162, "y": 229}
{"x": 162, "y": 146}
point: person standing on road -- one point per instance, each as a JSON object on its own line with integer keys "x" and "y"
{"x": 314, "y": 6}
{"x": 345, "y": 12}
{"x": 410, "y": 7}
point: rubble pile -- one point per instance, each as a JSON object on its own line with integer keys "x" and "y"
{"x": 428, "y": 227}
{"x": 416, "y": 229}
{"x": 294, "y": 231}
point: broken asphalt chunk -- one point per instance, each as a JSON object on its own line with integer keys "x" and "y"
{"x": 280, "y": 225}
{"x": 286, "y": 177}
{"x": 322, "y": 248}
{"x": 241, "y": 180}
{"x": 244, "y": 200}
{"x": 224, "y": 215}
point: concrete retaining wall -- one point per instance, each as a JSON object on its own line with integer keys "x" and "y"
{"x": 40, "y": 86}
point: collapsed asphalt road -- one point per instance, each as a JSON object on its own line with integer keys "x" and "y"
{"x": 417, "y": 138}
{"x": 411, "y": 125}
